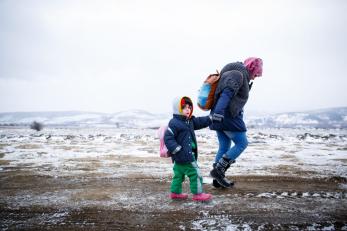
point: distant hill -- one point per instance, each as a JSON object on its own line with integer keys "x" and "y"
{"x": 324, "y": 118}
{"x": 124, "y": 119}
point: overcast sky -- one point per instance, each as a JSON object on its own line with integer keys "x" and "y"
{"x": 109, "y": 56}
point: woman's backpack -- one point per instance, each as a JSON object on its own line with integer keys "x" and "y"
{"x": 163, "y": 151}
{"x": 206, "y": 92}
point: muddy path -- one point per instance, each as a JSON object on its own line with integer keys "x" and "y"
{"x": 34, "y": 202}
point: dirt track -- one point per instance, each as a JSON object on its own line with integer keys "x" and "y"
{"x": 32, "y": 202}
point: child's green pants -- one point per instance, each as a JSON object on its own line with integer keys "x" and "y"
{"x": 192, "y": 171}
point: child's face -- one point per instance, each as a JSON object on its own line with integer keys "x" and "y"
{"x": 187, "y": 110}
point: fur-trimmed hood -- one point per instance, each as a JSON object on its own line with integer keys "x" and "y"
{"x": 178, "y": 104}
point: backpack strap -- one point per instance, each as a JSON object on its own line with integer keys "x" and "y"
{"x": 250, "y": 85}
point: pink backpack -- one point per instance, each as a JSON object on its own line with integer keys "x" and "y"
{"x": 163, "y": 149}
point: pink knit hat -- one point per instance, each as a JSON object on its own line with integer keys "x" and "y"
{"x": 254, "y": 67}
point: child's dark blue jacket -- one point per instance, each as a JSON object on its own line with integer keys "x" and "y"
{"x": 180, "y": 135}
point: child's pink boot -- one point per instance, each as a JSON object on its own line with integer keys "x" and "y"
{"x": 180, "y": 196}
{"x": 202, "y": 197}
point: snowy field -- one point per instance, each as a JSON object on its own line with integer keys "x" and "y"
{"x": 76, "y": 178}
{"x": 60, "y": 152}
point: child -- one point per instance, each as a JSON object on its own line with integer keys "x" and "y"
{"x": 181, "y": 142}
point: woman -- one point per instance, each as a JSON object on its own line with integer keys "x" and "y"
{"x": 227, "y": 113}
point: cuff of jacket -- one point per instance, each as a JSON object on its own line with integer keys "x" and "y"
{"x": 179, "y": 147}
{"x": 217, "y": 117}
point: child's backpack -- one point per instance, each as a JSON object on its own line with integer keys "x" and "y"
{"x": 206, "y": 92}
{"x": 164, "y": 152}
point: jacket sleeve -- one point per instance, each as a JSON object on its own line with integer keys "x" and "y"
{"x": 170, "y": 141}
{"x": 201, "y": 122}
{"x": 223, "y": 101}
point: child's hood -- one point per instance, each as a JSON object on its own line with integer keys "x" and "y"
{"x": 179, "y": 102}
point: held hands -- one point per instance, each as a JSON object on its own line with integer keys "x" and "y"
{"x": 216, "y": 117}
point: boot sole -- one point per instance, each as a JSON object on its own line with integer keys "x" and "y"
{"x": 203, "y": 200}
{"x": 216, "y": 184}
{"x": 178, "y": 198}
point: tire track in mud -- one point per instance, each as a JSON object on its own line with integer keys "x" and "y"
{"x": 298, "y": 195}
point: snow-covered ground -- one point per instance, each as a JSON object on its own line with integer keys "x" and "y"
{"x": 306, "y": 153}
{"x": 60, "y": 177}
